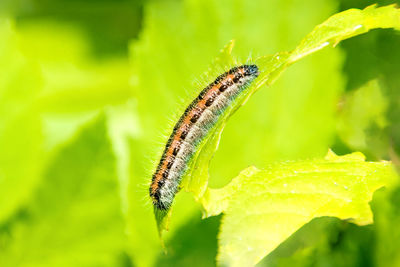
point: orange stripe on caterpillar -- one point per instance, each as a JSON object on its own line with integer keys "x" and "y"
{"x": 194, "y": 124}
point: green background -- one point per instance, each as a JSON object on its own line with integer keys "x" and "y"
{"x": 89, "y": 89}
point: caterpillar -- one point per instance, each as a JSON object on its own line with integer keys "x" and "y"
{"x": 192, "y": 127}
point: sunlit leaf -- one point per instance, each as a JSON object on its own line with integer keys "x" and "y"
{"x": 174, "y": 58}
{"x": 167, "y": 74}
{"x": 264, "y": 207}
{"x": 335, "y": 29}
{"x": 272, "y": 66}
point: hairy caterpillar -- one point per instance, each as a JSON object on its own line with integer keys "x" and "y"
{"x": 193, "y": 126}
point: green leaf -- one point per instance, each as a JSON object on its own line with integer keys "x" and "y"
{"x": 21, "y": 156}
{"x": 386, "y": 209}
{"x": 325, "y": 241}
{"x": 360, "y": 111}
{"x": 347, "y": 24}
{"x": 194, "y": 244}
{"x": 335, "y": 29}
{"x": 169, "y": 63}
{"x": 49, "y": 87}
{"x": 164, "y": 59}
{"x": 264, "y": 207}
{"x": 246, "y": 252}
{"x": 376, "y": 56}
{"x": 356, "y": 22}
{"x": 74, "y": 219}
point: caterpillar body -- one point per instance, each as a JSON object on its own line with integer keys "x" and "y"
{"x": 192, "y": 127}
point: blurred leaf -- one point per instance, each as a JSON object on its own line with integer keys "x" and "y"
{"x": 73, "y": 80}
{"x": 123, "y": 125}
{"x": 21, "y": 135}
{"x": 386, "y": 208}
{"x": 325, "y": 242}
{"x": 74, "y": 218}
{"x": 49, "y": 87}
{"x": 376, "y": 56}
{"x": 192, "y": 249}
{"x": 360, "y": 111}
{"x": 264, "y": 207}
{"x": 109, "y": 24}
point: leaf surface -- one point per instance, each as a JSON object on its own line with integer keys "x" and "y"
{"x": 262, "y": 208}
